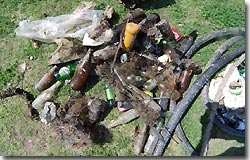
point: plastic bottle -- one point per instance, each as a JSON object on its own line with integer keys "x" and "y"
{"x": 46, "y": 95}
{"x": 241, "y": 68}
{"x": 47, "y": 80}
{"x": 65, "y": 72}
{"x": 110, "y": 96}
{"x": 152, "y": 83}
{"x": 81, "y": 73}
{"x": 131, "y": 31}
{"x": 135, "y": 80}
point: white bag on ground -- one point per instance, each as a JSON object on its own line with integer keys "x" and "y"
{"x": 73, "y": 25}
{"x": 232, "y": 101}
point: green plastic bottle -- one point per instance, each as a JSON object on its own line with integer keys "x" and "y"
{"x": 65, "y": 72}
{"x": 110, "y": 96}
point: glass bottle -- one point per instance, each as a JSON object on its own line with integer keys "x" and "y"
{"x": 110, "y": 96}
{"x": 81, "y": 73}
{"x": 185, "y": 43}
{"x": 65, "y": 72}
{"x": 149, "y": 21}
{"x": 46, "y": 95}
{"x": 47, "y": 80}
{"x": 184, "y": 80}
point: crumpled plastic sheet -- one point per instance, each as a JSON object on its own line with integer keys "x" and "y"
{"x": 73, "y": 25}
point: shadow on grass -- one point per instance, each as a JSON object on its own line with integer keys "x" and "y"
{"x": 152, "y": 4}
{"x": 217, "y": 133}
{"x": 234, "y": 151}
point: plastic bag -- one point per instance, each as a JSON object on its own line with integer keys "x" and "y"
{"x": 73, "y": 25}
{"x": 230, "y": 100}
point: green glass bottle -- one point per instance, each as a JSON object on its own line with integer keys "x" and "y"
{"x": 110, "y": 96}
{"x": 65, "y": 72}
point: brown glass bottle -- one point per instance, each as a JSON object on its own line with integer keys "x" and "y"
{"x": 81, "y": 73}
{"x": 184, "y": 80}
{"x": 149, "y": 21}
{"x": 185, "y": 43}
{"x": 47, "y": 80}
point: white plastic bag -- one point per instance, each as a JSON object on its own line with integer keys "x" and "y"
{"x": 73, "y": 25}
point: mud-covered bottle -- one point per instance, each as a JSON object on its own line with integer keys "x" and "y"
{"x": 46, "y": 95}
{"x": 82, "y": 71}
{"x": 47, "y": 80}
{"x": 65, "y": 72}
{"x": 95, "y": 109}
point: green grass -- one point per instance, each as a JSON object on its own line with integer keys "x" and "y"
{"x": 18, "y": 130}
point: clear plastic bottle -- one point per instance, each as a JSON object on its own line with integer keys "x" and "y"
{"x": 236, "y": 123}
{"x": 46, "y": 95}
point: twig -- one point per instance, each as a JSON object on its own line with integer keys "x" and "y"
{"x": 118, "y": 48}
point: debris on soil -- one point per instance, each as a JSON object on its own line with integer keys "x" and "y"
{"x": 142, "y": 62}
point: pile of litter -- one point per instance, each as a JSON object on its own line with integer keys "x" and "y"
{"x": 141, "y": 62}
